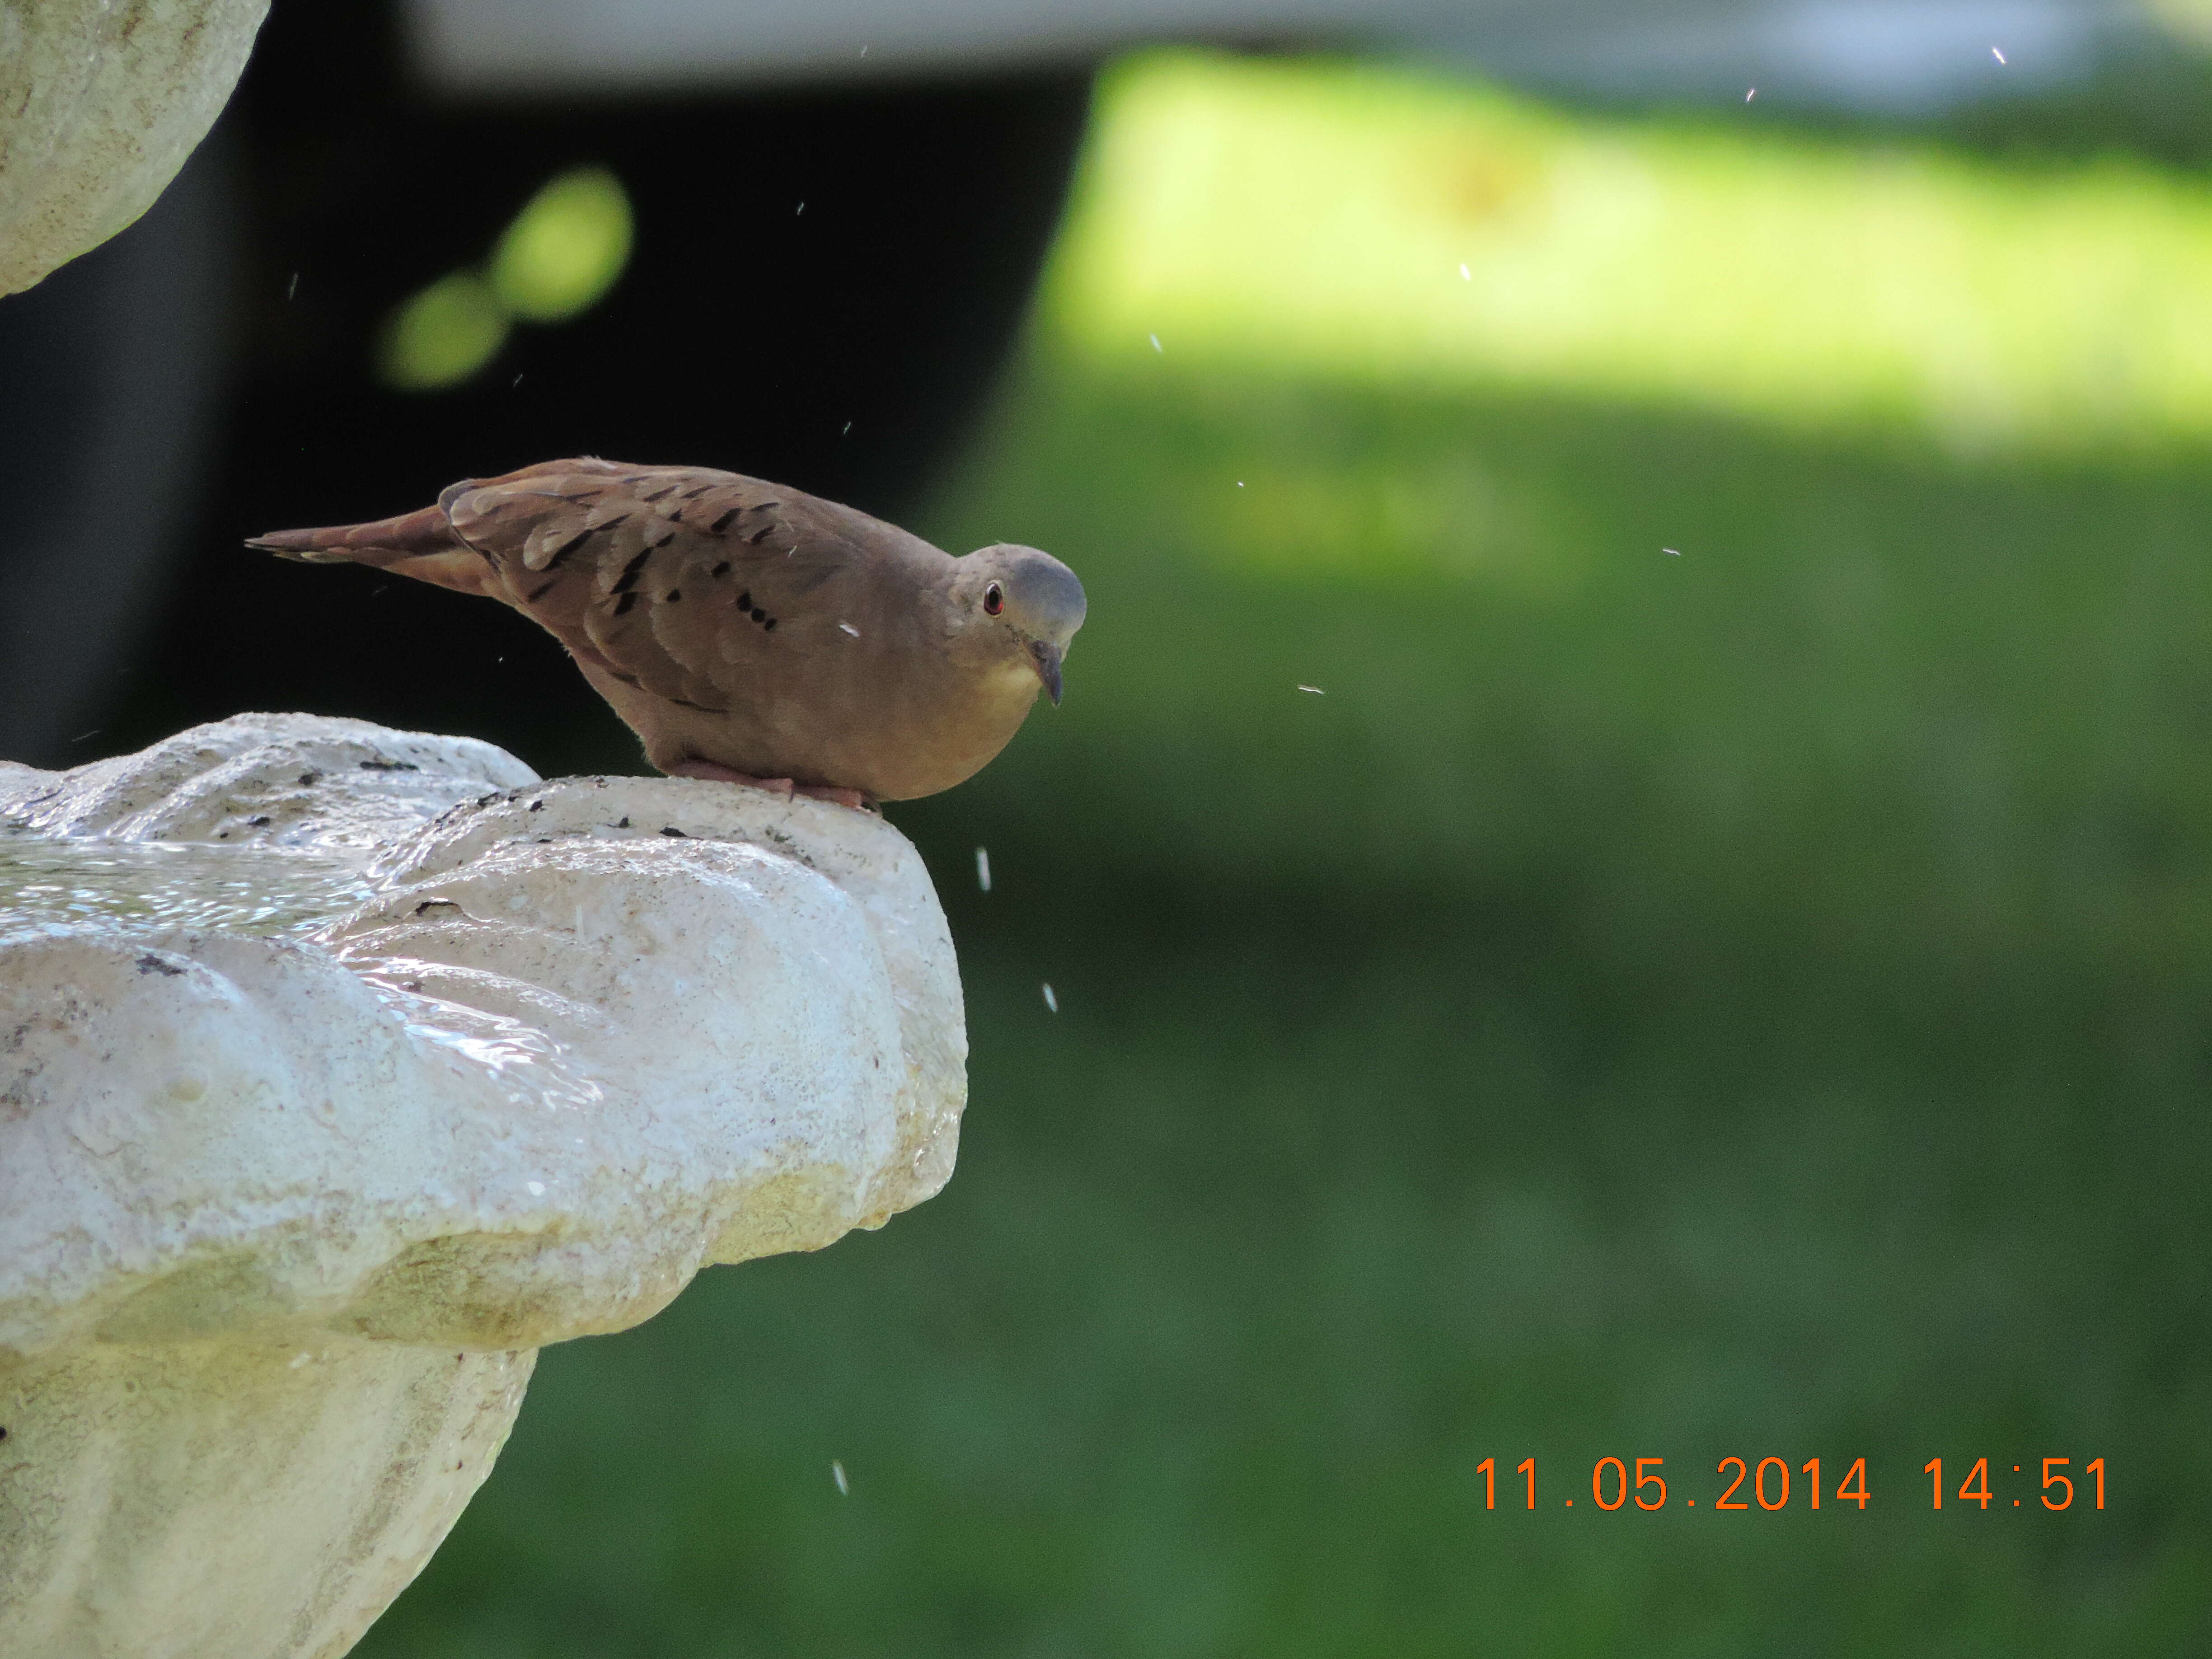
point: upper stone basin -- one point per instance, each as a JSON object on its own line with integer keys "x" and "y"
{"x": 306, "y": 1024}
{"x": 341, "y": 1068}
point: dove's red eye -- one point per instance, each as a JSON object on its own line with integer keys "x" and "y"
{"x": 994, "y": 600}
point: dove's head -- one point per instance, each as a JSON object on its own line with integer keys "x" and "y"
{"x": 1024, "y": 605}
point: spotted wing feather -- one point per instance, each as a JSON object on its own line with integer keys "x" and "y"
{"x": 642, "y": 570}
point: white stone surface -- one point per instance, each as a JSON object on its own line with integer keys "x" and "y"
{"x": 411, "y": 1065}
{"x": 100, "y": 102}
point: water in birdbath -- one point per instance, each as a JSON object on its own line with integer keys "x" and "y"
{"x": 162, "y": 884}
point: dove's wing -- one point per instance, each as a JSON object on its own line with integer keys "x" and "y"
{"x": 698, "y": 586}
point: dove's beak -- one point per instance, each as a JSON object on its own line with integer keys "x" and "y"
{"x": 1048, "y": 658}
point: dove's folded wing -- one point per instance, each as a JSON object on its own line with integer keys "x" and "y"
{"x": 686, "y": 583}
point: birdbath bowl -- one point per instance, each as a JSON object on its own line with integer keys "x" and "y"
{"x": 341, "y": 1069}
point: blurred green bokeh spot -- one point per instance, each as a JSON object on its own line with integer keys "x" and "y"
{"x": 566, "y": 249}
{"x": 442, "y": 336}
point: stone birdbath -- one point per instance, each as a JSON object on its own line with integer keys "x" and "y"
{"x": 341, "y": 1069}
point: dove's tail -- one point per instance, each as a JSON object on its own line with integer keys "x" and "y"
{"x": 419, "y": 545}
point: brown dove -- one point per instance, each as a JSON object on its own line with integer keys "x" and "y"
{"x": 743, "y": 630}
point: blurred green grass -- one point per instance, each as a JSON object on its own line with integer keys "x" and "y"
{"x": 1745, "y": 1002}
{"x": 1371, "y": 222}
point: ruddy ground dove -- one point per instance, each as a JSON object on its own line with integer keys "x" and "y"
{"x": 747, "y": 631}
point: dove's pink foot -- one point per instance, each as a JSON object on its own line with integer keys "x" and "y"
{"x": 784, "y": 786}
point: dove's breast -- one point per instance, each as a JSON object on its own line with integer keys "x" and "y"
{"x": 832, "y": 672}
{"x": 895, "y": 723}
